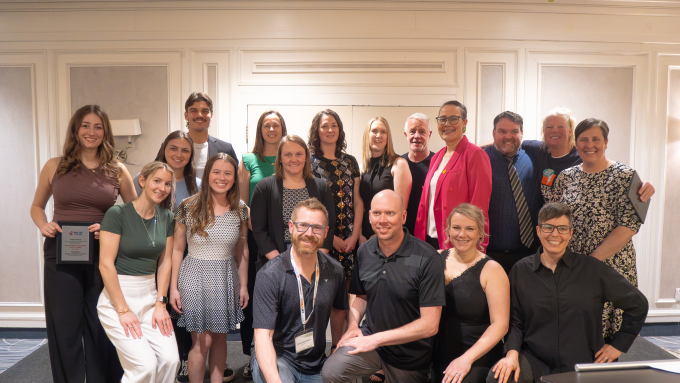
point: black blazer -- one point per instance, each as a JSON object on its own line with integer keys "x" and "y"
{"x": 266, "y": 212}
{"x": 218, "y": 146}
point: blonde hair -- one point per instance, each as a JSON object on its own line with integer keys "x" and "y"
{"x": 474, "y": 213}
{"x": 389, "y": 156}
{"x": 307, "y": 170}
{"x": 149, "y": 170}
{"x": 571, "y": 123}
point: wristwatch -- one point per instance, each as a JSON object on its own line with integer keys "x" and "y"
{"x": 163, "y": 300}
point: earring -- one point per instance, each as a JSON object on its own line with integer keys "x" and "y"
{"x": 464, "y": 129}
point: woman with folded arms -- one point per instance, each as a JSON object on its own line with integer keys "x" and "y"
{"x": 136, "y": 251}
{"x": 256, "y": 165}
{"x": 211, "y": 286}
{"x": 477, "y": 311}
{"x": 604, "y": 218}
{"x": 330, "y": 162}
{"x": 383, "y": 169}
{"x": 85, "y": 182}
{"x": 275, "y": 197}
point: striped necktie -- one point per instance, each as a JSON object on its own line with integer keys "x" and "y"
{"x": 525, "y": 232}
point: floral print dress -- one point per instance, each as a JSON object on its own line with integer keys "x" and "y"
{"x": 599, "y": 203}
{"x": 340, "y": 174}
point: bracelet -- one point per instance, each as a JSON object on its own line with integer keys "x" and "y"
{"x": 123, "y": 312}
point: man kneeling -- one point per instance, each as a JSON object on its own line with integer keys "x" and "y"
{"x": 295, "y": 295}
{"x": 556, "y": 310}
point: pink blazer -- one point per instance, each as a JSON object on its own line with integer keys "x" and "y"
{"x": 466, "y": 178}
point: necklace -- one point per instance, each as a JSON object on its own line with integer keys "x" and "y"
{"x": 153, "y": 241}
{"x": 269, "y": 162}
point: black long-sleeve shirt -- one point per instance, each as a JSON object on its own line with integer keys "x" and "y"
{"x": 557, "y": 317}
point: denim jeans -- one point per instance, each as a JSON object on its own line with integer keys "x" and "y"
{"x": 287, "y": 373}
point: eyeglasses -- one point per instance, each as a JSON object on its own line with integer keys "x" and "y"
{"x": 562, "y": 229}
{"x": 452, "y": 119}
{"x": 303, "y": 226}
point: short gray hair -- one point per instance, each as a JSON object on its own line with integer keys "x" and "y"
{"x": 419, "y": 117}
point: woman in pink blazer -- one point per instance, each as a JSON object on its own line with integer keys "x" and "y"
{"x": 459, "y": 173}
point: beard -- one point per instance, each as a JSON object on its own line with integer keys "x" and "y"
{"x": 305, "y": 248}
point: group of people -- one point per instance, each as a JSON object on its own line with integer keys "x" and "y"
{"x": 471, "y": 264}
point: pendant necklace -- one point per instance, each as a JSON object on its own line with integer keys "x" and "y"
{"x": 153, "y": 241}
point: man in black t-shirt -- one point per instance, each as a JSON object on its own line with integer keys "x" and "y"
{"x": 302, "y": 282}
{"x": 398, "y": 282}
{"x": 417, "y": 131}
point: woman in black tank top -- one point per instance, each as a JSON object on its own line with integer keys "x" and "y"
{"x": 477, "y": 311}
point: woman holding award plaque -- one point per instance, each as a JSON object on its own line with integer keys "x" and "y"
{"x": 84, "y": 182}
{"x": 136, "y": 257}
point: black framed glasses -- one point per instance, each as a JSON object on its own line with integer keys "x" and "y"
{"x": 304, "y": 226}
{"x": 452, "y": 119}
{"x": 562, "y": 229}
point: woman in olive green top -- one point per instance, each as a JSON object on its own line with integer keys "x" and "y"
{"x": 135, "y": 237}
{"x": 256, "y": 165}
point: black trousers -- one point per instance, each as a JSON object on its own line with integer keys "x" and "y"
{"x": 77, "y": 343}
{"x": 246, "y": 329}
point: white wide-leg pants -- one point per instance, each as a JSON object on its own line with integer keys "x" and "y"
{"x": 153, "y": 358}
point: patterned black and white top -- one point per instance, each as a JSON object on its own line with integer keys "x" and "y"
{"x": 291, "y": 197}
{"x": 599, "y": 203}
{"x": 208, "y": 282}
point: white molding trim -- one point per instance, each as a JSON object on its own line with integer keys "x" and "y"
{"x": 67, "y": 59}
{"x": 609, "y": 7}
{"x": 348, "y": 67}
{"x": 36, "y": 61}
{"x": 475, "y": 58}
{"x": 220, "y": 59}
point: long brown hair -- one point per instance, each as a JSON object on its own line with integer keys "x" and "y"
{"x": 258, "y": 148}
{"x": 389, "y": 156}
{"x": 190, "y": 168}
{"x": 307, "y": 170}
{"x": 149, "y": 170}
{"x": 202, "y": 212}
{"x": 72, "y": 147}
{"x": 315, "y": 141}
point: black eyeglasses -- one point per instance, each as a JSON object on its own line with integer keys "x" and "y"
{"x": 304, "y": 226}
{"x": 452, "y": 119}
{"x": 562, "y": 229}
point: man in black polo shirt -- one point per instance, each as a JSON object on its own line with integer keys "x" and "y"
{"x": 556, "y": 310}
{"x": 398, "y": 282}
{"x": 295, "y": 295}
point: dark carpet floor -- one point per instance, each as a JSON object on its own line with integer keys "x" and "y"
{"x": 35, "y": 368}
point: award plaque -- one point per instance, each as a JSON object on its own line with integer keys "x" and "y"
{"x": 75, "y": 244}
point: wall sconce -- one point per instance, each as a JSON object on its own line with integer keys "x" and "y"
{"x": 127, "y": 128}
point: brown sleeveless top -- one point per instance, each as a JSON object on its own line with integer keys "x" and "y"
{"x": 83, "y": 194}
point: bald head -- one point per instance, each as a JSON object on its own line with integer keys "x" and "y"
{"x": 390, "y": 198}
{"x": 387, "y": 216}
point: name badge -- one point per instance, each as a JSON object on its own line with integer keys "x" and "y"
{"x": 548, "y": 177}
{"x": 304, "y": 340}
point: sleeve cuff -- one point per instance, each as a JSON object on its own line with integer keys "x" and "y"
{"x": 622, "y": 341}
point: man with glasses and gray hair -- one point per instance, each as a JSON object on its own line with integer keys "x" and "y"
{"x": 418, "y": 133}
{"x": 556, "y": 307}
{"x": 296, "y": 293}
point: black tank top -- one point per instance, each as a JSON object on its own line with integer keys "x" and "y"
{"x": 464, "y": 318}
